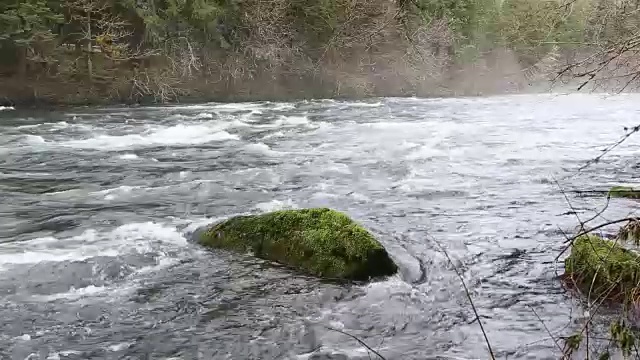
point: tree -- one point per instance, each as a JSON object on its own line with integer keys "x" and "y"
{"x": 24, "y": 24}
{"x": 612, "y": 57}
{"x": 99, "y": 28}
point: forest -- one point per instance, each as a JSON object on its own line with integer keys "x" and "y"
{"x": 142, "y": 51}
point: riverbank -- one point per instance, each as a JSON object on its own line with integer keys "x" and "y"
{"x": 101, "y": 53}
{"x": 500, "y": 74}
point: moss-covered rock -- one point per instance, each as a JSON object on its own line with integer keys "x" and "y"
{"x": 321, "y": 242}
{"x": 603, "y": 268}
{"x": 625, "y": 192}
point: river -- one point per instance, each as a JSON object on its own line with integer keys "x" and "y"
{"x": 98, "y": 204}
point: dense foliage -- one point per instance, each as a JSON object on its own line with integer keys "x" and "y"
{"x": 159, "y": 50}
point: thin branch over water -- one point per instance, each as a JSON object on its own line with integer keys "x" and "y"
{"x": 466, "y": 290}
{"x": 358, "y": 340}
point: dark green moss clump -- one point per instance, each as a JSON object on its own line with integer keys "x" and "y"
{"x": 624, "y": 192}
{"x": 613, "y": 270}
{"x": 321, "y": 242}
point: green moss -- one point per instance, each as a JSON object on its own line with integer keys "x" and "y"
{"x": 624, "y": 191}
{"x": 605, "y": 267}
{"x": 321, "y": 242}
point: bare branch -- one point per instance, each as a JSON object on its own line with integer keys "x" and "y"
{"x": 547, "y": 329}
{"x": 466, "y": 290}
{"x": 358, "y": 340}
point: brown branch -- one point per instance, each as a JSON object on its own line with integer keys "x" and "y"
{"x": 582, "y": 233}
{"x": 608, "y": 149}
{"x": 547, "y": 329}
{"x": 468, "y": 294}
{"x": 356, "y": 339}
{"x": 566, "y": 198}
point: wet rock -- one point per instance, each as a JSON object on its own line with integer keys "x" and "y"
{"x": 320, "y": 241}
{"x": 603, "y": 268}
{"x": 624, "y": 192}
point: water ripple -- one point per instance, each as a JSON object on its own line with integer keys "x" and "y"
{"x": 95, "y": 260}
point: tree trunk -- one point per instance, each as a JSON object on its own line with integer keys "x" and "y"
{"x": 22, "y": 62}
{"x": 89, "y": 47}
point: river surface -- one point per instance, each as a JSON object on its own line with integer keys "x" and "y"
{"x": 98, "y": 204}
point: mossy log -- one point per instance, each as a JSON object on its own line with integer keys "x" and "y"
{"x": 624, "y": 192}
{"x": 603, "y": 268}
{"x": 321, "y": 242}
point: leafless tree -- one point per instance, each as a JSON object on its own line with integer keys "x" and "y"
{"x": 101, "y": 30}
{"x": 611, "y": 61}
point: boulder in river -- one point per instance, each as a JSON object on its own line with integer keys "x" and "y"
{"x": 603, "y": 267}
{"x": 624, "y": 192}
{"x": 318, "y": 241}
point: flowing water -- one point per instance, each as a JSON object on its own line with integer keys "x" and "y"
{"x": 98, "y": 204}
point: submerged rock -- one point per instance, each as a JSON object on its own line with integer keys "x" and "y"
{"x": 320, "y": 242}
{"x": 602, "y": 267}
{"x": 625, "y": 192}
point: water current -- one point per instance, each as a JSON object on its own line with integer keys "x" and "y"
{"x": 98, "y": 204}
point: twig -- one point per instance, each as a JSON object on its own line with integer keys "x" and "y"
{"x": 601, "y": 226}
{"x": 466, "y": 290}
{"x": 572, "y": 239}
{"x": 634, "y": 130}
{"x": 547, "y": 329}
{"x": 358, "y": 340}
{"x": 566, "y": 198}
{"x": 606, "y": 205}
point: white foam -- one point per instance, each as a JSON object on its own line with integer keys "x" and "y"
{"x": 56, "y": 355}
{"x": 178, "y": 117}
{"x": 53, "y": 126}
{"x": 284, "y": 106}
{"x": 238, "y": 123}
{"x": 275, "y": 134}
{"x": 360, "y": 197}
{"x": 321, "y": 195}
{"x": 174, "y": 135}
{"x": 120, "y": 346}
{"x": 348, "y": 352}
{"x": 120, "y": 190}
{"x": 128, "y": 156}
{"x": 34, "y": 139}
{"x": 61, "y": 125}
{"x": 407, "y": 126}
{"x": 193, "y": 224}
{"x": 204, "y": 115}
{"x": 53, "y": 255}
{"x": 426, "y": 152}
{"x": 6, "y": 108}
{"x": 292, "y": 120}
{"x": 70, "y": 352}
{"x": 339, "y": 168}
{"x": 28, "y": 126}
{"x": 363, "y": 104}
{"x": 137, "y": 238}
{"x": 274, "y": 205}
{"x": 161, "y": 263}
{"x": 261, "y": 148}
{"x": 74, "y": 294}
{"x": 239, "y": 106}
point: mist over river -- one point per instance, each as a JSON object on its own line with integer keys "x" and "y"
{"x": 98, "y": 204}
